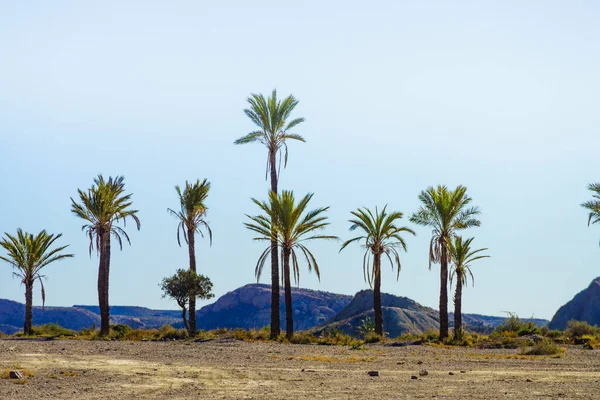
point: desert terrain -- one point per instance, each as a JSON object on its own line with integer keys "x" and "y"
{"x": 232, "y": 369}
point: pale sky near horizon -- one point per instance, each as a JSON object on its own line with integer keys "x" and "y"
{"x": 499, "y": 96}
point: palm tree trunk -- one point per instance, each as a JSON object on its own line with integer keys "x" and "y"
{"x": 101, "y": 280}
{"x": 377, "y": 295}
{"x": 275, "y": 318}
{"x": 444, "y": 293}
{"x": 289, "y": 312}
{"x": 192, "y": 252}
{"x": 104, "y": 303}
{"x": 28, "y": 308}
{"x": 458, "y": 309}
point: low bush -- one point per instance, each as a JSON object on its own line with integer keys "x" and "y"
{"x": 546, "y": 347}
{"x": 577, "y": 329}
{"x": 514, "y": 324}
{"x": 303, "y": 338}
{"x": 372, "y": 337}
{"x": 335, "y": 337}
{"x": 48, "y": 330}
{"x": 168, "y": 332}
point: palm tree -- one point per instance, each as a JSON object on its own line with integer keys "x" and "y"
{"x": 272, "y": 117}
{"x": 593, "y": 205}
{"x": 462, "y": 256}
{"x": 191, "y": 220}
{"x": 29, "y": 254}
{"x": 446, "y": 212}
{"x": 381, "y": 236}
{"x": 292, "y": 227}
{"x": 103, "y": 206}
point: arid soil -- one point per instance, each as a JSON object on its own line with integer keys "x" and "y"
{"x": 229, "y": 369}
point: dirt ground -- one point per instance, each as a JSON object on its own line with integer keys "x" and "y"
{"x": 229, "y": 369}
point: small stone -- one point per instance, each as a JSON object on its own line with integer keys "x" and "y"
{"x": 414, "y": 377}
{"x": 16, "y": 375}
{"x": 450, "y": 373}
{"x": 463, "y": 372}
{"x": 528, "y": 380}
{"x": 419, "y": 362}
{"x": 401, "y": 362}
{"x": 373, "y": 373}
{"x": 423, "y": 372}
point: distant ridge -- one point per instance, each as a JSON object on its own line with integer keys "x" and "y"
{"x": 249, "y": 307}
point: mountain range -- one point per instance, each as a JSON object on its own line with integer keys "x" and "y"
{"x": 249, "y": 307}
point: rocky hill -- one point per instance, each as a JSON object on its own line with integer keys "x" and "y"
{"x": 585, "y": 306}
{"x": 250, "y": 307}
{"x": 402, "y": 315}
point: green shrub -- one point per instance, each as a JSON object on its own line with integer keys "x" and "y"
{"x": 546, "y": 347}
{"x": 334, "y": 336}
{"x": 50, "y": 330}
{"x": 358, "y": 345}
{"x": 168, "y": 332}
{"x": 514, "y": 324}
{"x": 577, "y": 329}
{"x": 372, "y": 337}
{"x": 119, "y": 331}
{"x": 430, "y": 335}
{"x": 303, "y": 338}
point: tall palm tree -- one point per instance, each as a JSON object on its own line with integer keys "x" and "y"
{"x": 446, "y": 212}
{"x": 102, "y": 207}
{"x": 191, "y": 220}
{"x": 381, "y": 236}
{"x": 462, "y": 256}
{"x": 29, "y": 254}
{"x": 593, "y": 206}
{"x": 292, "y": 227}
{"x": 272, "y": 117}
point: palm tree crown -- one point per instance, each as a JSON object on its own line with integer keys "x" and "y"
{"x": 29, "y": 254}
{"x": 289, "y": 224}
{"x": 101, "y": 206}
{"x": 593, "y": 206}
{"x": 271, "y": 116}
{"x": 462, "y": 257}
{"x": 193, "y": 209}
{"x": 381, "y": 236}
{"x": 446, "y": 212}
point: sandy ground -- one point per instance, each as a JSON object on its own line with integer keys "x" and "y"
{"x": 229, "y": 369}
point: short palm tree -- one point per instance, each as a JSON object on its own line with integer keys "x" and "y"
{"x": 446, "y": 212}
{"x": 103, "y": 206}
{"x": 273, "y": 119}
{"x": 381, "y": 236}
{"x": 29, "y": 254}
{"x": 292, "y": 227}
{"x": 593, "y": 206}
{"x": 462, "y": 256}
{"x": 191, "y": 220}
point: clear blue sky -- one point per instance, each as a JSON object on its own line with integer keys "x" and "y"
{"x": 499, "y": 96}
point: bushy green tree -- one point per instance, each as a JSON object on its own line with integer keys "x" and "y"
{"x": 185, "y": 285}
